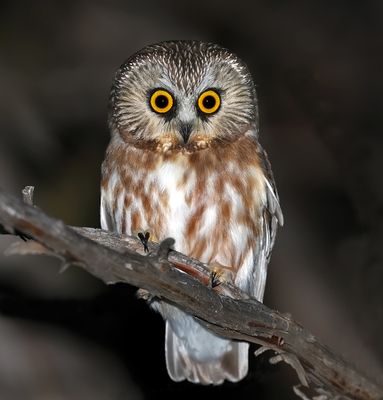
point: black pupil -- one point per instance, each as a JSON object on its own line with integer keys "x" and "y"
{"x": 208, "y": 102}
{"x": 161, "y": 101}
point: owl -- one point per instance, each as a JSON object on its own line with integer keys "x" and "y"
{"x": 184, "y": 161}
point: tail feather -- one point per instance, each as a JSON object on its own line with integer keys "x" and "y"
{"x": 233, "y": 364}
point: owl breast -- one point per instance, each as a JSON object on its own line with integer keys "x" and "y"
{"x": 209, "y": 202}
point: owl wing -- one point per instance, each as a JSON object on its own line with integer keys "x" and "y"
{"x": 271, "y": 216}
{"x": 272, "y": 213}
{"x": 106, "y": 219}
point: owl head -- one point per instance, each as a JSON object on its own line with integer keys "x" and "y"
{"x": 182, "y": 95}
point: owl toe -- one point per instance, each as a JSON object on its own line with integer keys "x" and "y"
{"x": 220, "y": 273}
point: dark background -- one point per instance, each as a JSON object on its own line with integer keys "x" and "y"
{"x": 317, "y": 66}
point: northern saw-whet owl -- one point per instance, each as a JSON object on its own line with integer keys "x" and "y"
{"x": 184, "y": 161}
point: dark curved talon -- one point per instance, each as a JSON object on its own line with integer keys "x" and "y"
{"x": 144, "y": 237}
{"x": 15, "y": 232}
{"x": 214, "y": 280}
{"x": 23, "y": 236}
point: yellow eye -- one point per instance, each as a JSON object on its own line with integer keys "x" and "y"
{"x": 161, "y": 101}
{"x": 209, "y": 102}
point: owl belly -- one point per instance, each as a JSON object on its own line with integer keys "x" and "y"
{"x": 213, "y": 216}
{"x": 208, "y": 216}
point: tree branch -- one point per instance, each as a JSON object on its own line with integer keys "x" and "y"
{"x": 179, "y": 280}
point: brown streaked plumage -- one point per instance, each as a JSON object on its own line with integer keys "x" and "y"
{"x": 195, "y": 172}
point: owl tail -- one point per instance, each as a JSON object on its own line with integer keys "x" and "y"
{"x": 232, "y": 365}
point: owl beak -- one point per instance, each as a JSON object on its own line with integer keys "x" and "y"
{"x": 185, "y": 130}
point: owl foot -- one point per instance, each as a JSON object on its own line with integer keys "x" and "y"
{"x": 219, "y": 273}
{"x": 16, "y": 232}
{"x": 144, "y": 295}
{"x": 23, "y": 236}
{"x": 144, "y": 237}
{"x": 214, "y": 279}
